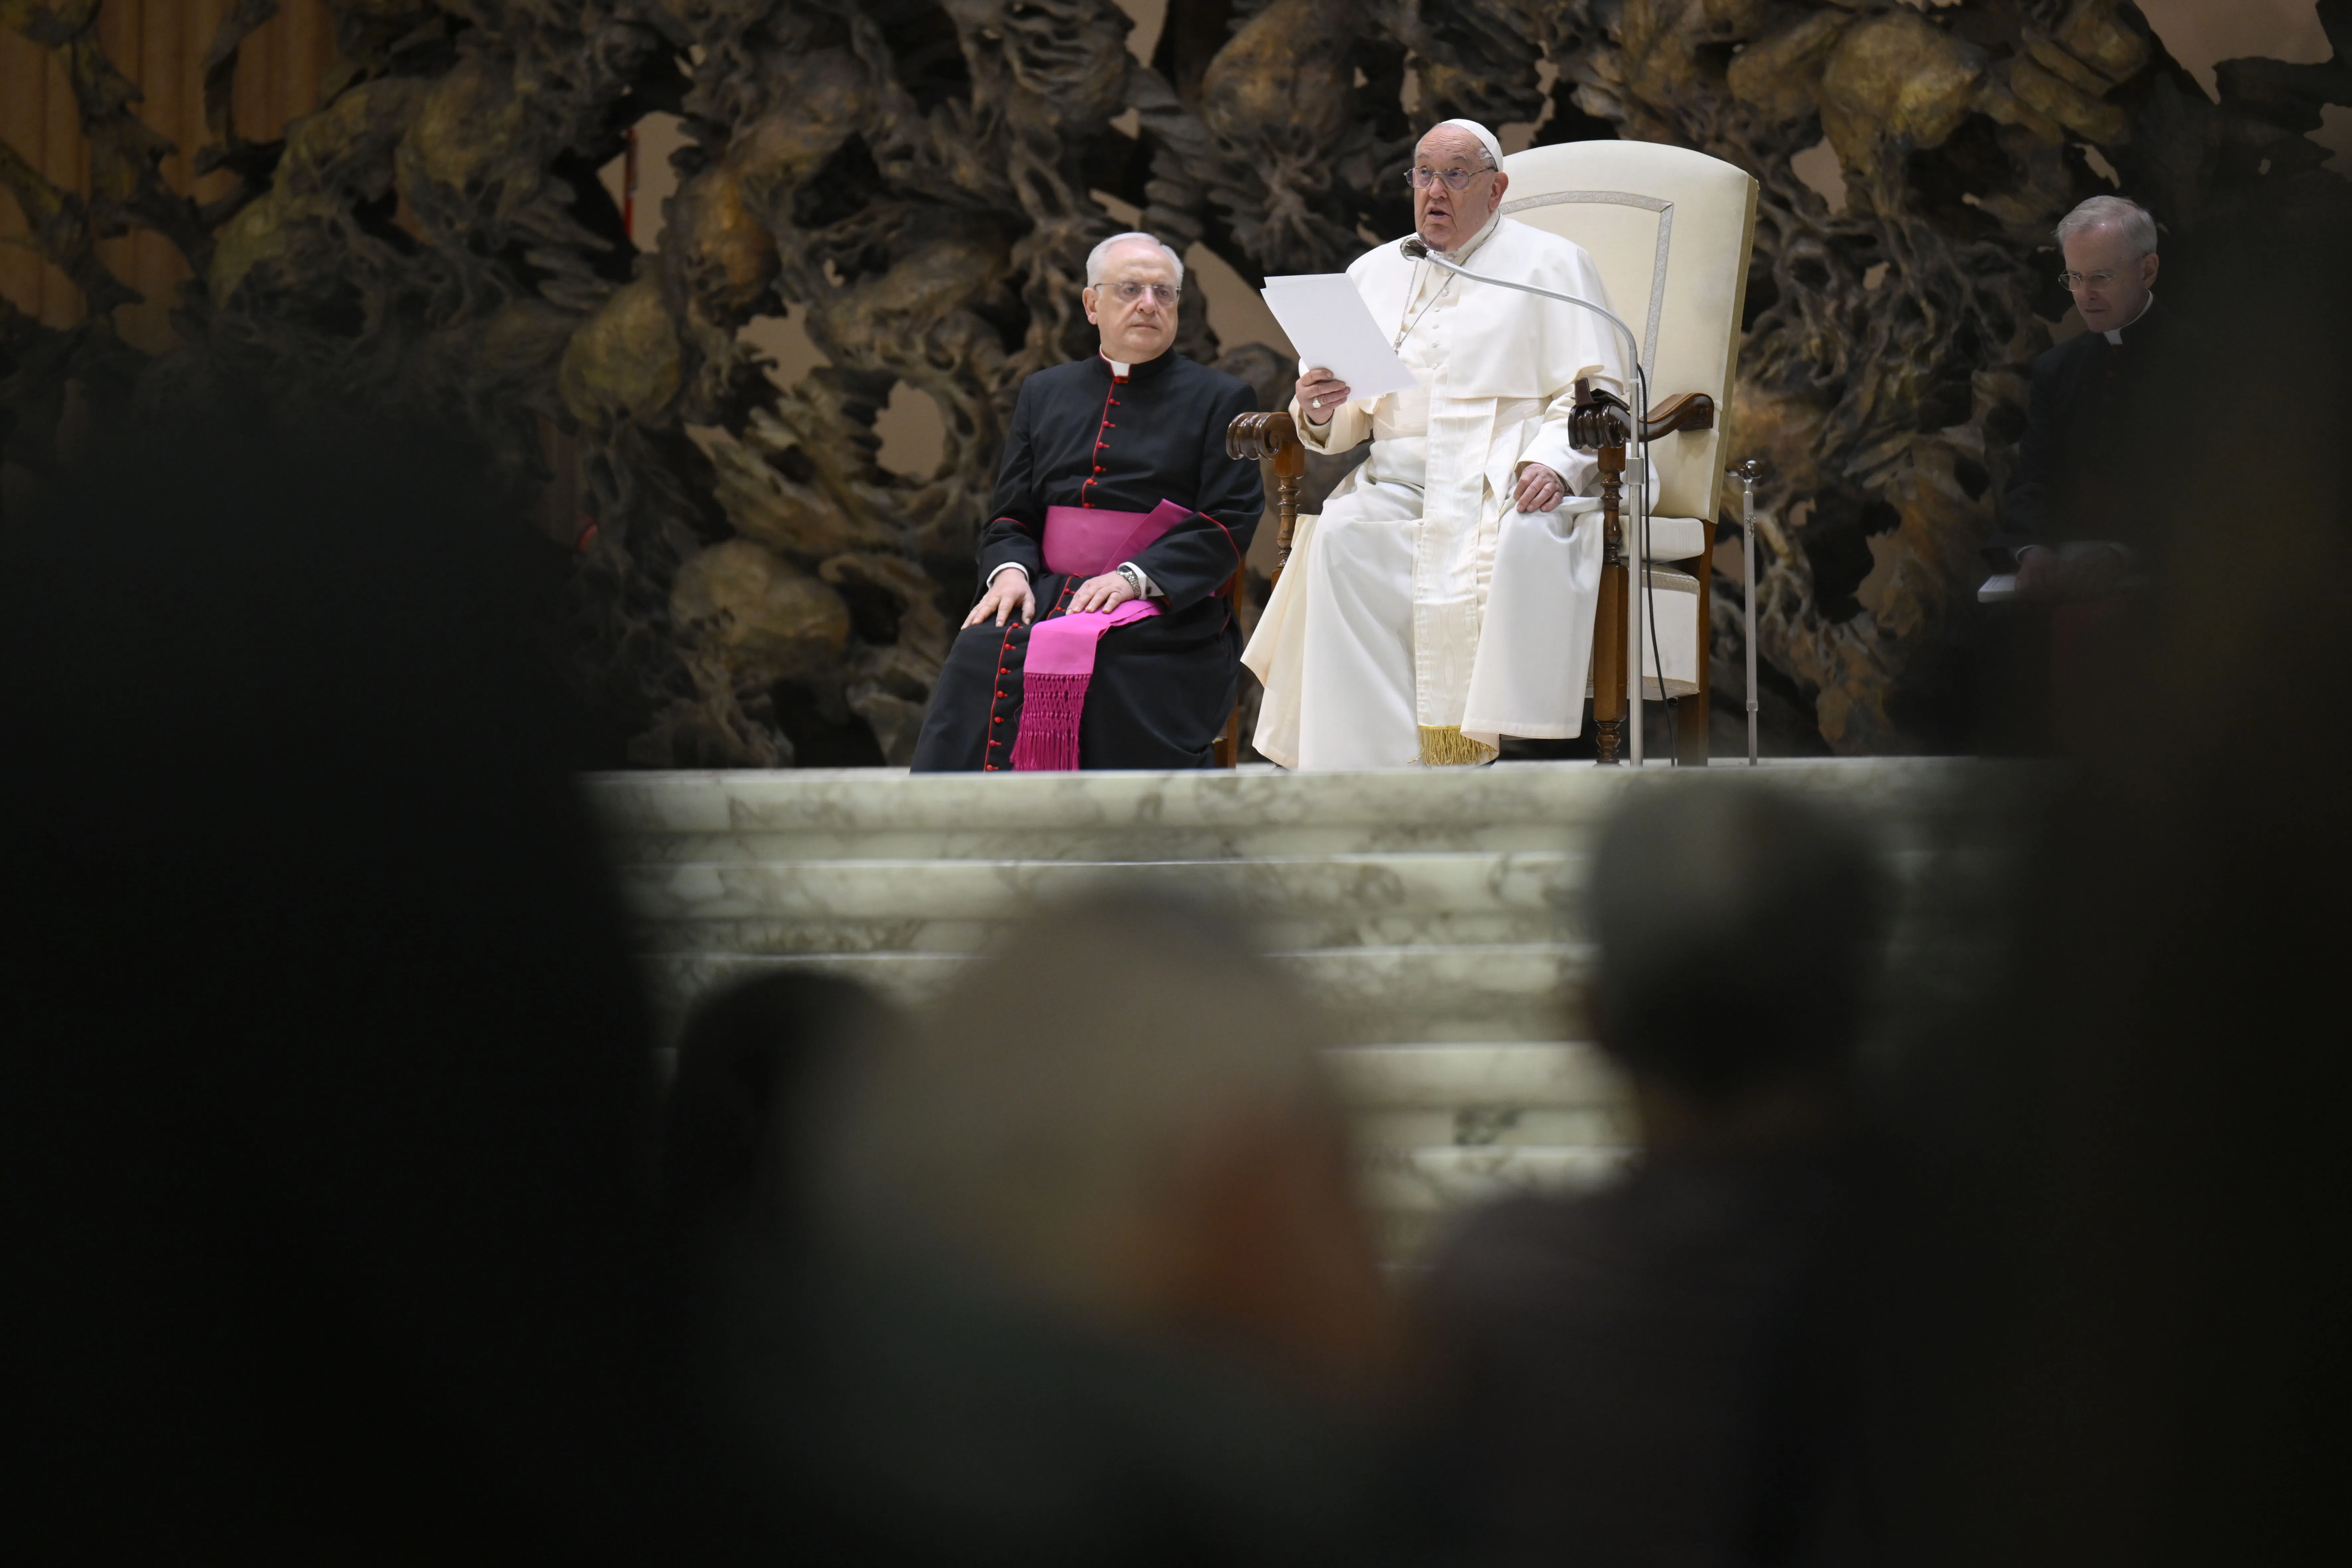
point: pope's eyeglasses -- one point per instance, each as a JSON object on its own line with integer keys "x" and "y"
{"x": 1456, "y": 179}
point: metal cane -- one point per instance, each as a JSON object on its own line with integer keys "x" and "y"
{"x": 1749, "y": 472}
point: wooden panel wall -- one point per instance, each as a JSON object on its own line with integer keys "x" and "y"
{"x": 160, "y": 44}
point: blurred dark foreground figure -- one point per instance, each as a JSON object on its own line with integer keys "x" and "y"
{"x": 2124, "y": 1333}
{"x": 754, "y": 1055}
{"x": 1661, "y": 1372}
{"x": 733, "y": 1247}
{"x": 327, "y": 1091}
{"x": 1086, "y": 1287}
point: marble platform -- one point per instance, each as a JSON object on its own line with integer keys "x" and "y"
{"x": 1436, "y": 912}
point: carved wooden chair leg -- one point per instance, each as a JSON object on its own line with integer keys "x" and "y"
{"x": 1602, "y": 423}
{"x": 1250, "y": 439}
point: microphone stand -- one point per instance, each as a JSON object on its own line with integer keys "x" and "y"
{"x": 1418, "y": 249}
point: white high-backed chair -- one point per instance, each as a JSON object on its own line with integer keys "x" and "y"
{"x": 1670, "y": 231}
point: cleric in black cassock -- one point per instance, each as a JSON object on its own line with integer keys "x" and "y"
{"x": 1123, "y": 434}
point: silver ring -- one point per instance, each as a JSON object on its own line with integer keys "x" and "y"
{"x": 1319, "y": 403}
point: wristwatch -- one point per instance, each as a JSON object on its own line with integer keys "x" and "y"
{"x": 1134, "y": 577}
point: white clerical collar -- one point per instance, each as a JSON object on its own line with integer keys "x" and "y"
{"x": 2115, "y": 334}
{"x": 1119, "y": 368}
{"x": 1462, "y": 252}
{"x": 1444, "y": 280}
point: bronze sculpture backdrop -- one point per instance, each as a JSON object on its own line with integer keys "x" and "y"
{"x": 911, "y": 179}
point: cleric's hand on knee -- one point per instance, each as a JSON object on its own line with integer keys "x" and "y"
{"x": 1006, "y": 596}
{"x": 1107, "y": 592}
{"x": 2053, "y": 575}
{"x": 1540, "y": 489}
{"x": 2038, "y": 572}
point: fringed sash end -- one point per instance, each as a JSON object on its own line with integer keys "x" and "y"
{"x": 1445, "y": 746}
{"x": 1050, "y": 709}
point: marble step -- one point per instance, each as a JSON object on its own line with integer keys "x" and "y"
{"x": 1433, "y": 1181}
{"x": 1529, "y": 880}
{"x": 925, "y": 906}
{"x": 877, "y": 814}
{"x": 1429, "y": 1108}
{"x": 1429, "y": 1076}
{"x": 1294, "y": 903}
{"x": 1439, "y": 1127}
{"x": 1410, "y": 1196}
{"x": 920, "y": 934}
{"x": 1486, "y": 1126}
{"x": 1503, "y": 991}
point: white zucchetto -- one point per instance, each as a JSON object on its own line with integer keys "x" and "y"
{"x": 1485, "y": 137}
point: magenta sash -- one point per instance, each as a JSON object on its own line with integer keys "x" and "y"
{"x": 1087, "y": 541}
{"x": 1080, "y": 542}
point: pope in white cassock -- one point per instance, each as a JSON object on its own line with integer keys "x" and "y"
{"x": 1445, "y": 596}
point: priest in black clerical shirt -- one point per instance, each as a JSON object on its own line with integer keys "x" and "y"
{"x": 2072, "y": 511}
{"x": 1122, "y": 454}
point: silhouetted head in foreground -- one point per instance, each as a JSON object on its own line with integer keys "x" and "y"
{"x": 1740, "y": 929}
{"x": 1656, "y": 1370}
{"x": 752, "y": 1054}
{"x": 1084, "y": 1280}
{"x": 1150, "y": 1149}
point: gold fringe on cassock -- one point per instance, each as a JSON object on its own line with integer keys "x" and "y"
{"x": 1445, "y": 746}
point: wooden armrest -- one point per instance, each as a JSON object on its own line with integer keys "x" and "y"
{"x": 1253, "y": 435}
{"x": 1599, "y": 420}
{"x": 1684, "y": 411}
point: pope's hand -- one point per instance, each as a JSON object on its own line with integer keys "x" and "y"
{"x": 1107, "y": 592}
{"x": 1319, "y": 396}
{"x": 1009, "y": 592}
{"x": 1540, "y": 489}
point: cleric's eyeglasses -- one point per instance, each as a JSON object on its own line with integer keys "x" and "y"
{"x": 1128, "y": 293}
{"x": 2075, "y": 282}
{"x": 1456, "y": 179}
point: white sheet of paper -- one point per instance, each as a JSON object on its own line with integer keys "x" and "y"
{"x": 1331, "y": 329}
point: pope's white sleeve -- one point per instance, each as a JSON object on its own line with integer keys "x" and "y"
{"x": 1351, "y": 422}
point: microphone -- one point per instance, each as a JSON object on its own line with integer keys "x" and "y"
{"x": 1418, "y": 249}
{"x": 1413, "y": 246}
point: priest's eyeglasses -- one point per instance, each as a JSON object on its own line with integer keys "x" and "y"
{"x": 2075, "y": 282}
{"x": 1456, "y": 179}
{"x": 1128, "y": 293}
